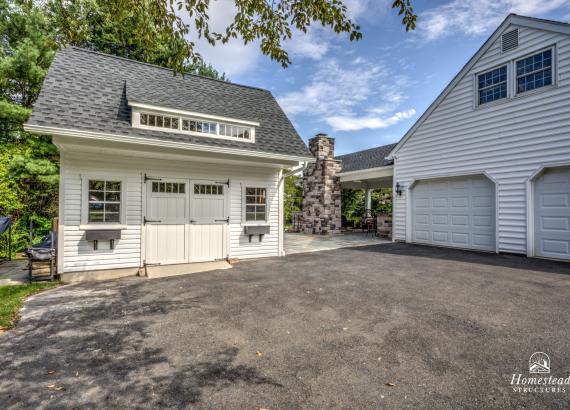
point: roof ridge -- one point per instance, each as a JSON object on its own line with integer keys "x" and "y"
{"x": 367, "y": 149}
{"x": 564, "y": 23}
{"x": 130, "y": 60}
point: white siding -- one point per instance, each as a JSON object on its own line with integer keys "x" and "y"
{"x": 79, "y": 254}
{"x": 509, "y": 140}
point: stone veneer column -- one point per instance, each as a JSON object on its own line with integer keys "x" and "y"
{"x": 321, "y": 189}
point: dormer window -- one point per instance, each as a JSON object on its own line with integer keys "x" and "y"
{"x": 194, "y": 126}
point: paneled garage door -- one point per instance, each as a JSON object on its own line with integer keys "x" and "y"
{"x": 552, "y": 214}
{"x": 455, "y": 212}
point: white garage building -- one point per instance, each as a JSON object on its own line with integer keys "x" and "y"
{"x": 157, "y": 169}
{"x": 487, "y": 166}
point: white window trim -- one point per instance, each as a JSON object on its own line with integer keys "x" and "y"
{"x": 85, "y": 224}
{"x": 136, "y": 123}
{"x": 243, "y": 203}
{"x": 512, "y": 78}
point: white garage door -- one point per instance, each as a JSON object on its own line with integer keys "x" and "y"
{"x": 455, "y": 212}
{"x": 552, "y": 214}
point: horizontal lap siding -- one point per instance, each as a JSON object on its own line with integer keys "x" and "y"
{"x": 79, "y": 254}
{"x": 509, "y": 141}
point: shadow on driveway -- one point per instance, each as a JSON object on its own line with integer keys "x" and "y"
{"x": 93, "y": 352}
{"x": 458, "y": 255}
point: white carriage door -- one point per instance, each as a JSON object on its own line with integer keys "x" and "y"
{"x": 209, "y": 219}
{"x": 552, "y": 214}
{"x": 166, "y": 221}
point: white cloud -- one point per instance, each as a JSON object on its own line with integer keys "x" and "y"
{"x": 479, "y": 17}
{"x": 233, "y": 58}
{"x": 313, "y": 44}
{"x": 349, "y": 97}
{"x": 351, "y": 123}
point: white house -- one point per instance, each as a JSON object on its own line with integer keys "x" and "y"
{"x": 162, "y": 169}
{"x": 487, "y": 166}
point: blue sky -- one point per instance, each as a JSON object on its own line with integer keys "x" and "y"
{"x": 369, "y": 93}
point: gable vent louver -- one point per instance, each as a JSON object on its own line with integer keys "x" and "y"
{"x": 510, "y": 40}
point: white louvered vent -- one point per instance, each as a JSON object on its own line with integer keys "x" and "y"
{"x": 510, "y": 40}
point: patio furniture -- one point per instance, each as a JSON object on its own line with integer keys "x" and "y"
{"x": 42, "y": 257}
{"x": 6, "y": 229}
{"x": 370, "y": 226}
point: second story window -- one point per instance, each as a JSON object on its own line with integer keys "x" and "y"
{"x": 534, "y": 72}
{"x": 492, "y": 85}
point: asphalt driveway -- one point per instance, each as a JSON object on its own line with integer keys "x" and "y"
{"x": 447, "y": 329}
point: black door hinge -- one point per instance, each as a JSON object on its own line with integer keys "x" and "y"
{"x": 227, "y": 220}
{"x": 145, "y": 221}
{"x": 147, "y": 178}
{"x": 224, "y": 182}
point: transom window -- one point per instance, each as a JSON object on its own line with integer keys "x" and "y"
{"x": 190, "y": 125}
{"x": 169, "y": 187}
{"x": 255, "y": 204}
{"x": 159, "y": 121}
{"x": 534, "y": 71}
{"x": 203, "y": 189}
{"x": 104, "y": 198}
{"x": 492, "y": 85}
{"x": 199, "y": 126}
{"x": 234, "y": 131}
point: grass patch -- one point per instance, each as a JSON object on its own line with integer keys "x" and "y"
{"x": 12, "y": 297}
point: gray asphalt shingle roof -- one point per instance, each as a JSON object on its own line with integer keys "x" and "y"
{"x": 90, "y": 91}
{"x": 370, "y": 158}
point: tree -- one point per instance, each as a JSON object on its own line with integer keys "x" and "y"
{"x": 118, "y": 28}
{"x": 28, "y": 164}
{"x": 178, "y": 22}
{"x": 293, "y": 200}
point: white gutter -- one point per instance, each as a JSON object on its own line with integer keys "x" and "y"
{"x": 298, "y": 169}
{"x": 363, "y": 171}
{"x": 38, "y": 129}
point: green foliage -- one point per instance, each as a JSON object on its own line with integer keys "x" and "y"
{"x": 293, "y": 200}
{"x": 354, "y": 203}
{"x": 175, "y": 23}
{"x": 28, "y": 164}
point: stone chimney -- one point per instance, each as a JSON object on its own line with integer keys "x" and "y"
{"x": 321, "y": 189}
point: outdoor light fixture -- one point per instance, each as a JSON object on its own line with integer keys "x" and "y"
{"x": 398, "y": 189}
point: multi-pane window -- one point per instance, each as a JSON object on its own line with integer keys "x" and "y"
{"x": 159, "y": 121}
{"x": 234, "y": 131}
{"x": 104, "y": 201}
{"x": 196, "y": 126}
{"x": 199, "y": 126}
{"x": 255, "y": 204}
{"x": 492, "y": 85}
{"x": 534, "y": 71}
{"x": 169, "y": 187}
{"x": 204, "y": 189}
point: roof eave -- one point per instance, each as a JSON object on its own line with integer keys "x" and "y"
{"x": 43, "y": 130}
